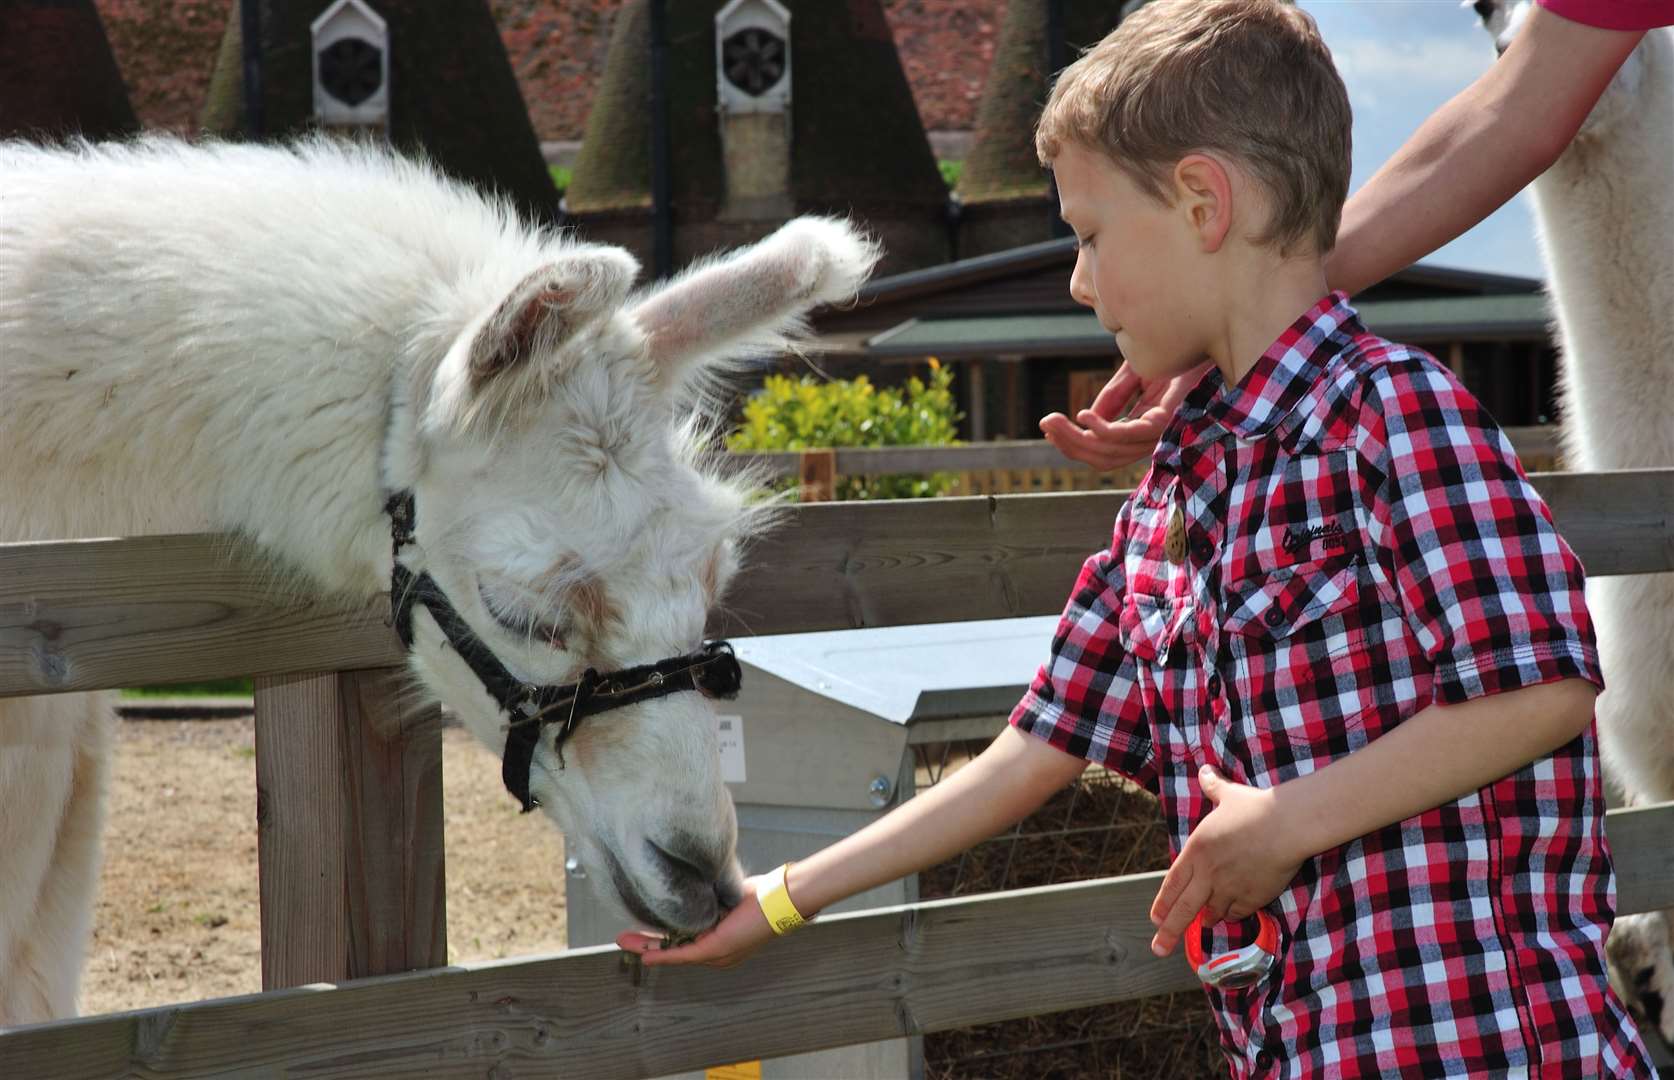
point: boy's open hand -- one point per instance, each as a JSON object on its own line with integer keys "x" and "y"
{"x": 728, "y": 942}
{"x": 1097, "y": 436}
{"x": 1234, "y": 863}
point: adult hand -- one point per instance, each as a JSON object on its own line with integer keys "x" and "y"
{"x": 725, "y": 944}
{"x": 1234, "y": 863}
{"x": 1098, "y": 438}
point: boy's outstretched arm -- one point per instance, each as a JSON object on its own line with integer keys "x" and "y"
{"x": 1001, "y": 786}
{"x": 1246, "y": 851}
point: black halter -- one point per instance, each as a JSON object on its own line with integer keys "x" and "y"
{"x": 712, "y": 670}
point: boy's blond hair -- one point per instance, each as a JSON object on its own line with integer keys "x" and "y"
{"x": 1251, "y": 79}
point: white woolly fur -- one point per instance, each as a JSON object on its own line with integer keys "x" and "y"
{"x": 1605, "y": 211}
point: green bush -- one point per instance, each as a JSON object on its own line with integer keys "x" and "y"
{"x": 806, "y": 414}
{"x": 950, "y": 171}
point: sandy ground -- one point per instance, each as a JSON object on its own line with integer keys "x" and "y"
{"x": 177, "y": 917}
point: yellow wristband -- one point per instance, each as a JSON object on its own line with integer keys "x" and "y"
{"x": 776, "y": 904}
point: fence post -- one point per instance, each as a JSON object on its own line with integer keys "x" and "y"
{"x": 349, "y": 828}
{"x": 818, "y": 472}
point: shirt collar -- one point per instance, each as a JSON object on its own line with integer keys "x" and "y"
{"x": 1271, "y": 389}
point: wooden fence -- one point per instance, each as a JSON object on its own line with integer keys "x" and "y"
{"x": 350, "y": 823}
{"x": 1026, "y": 466}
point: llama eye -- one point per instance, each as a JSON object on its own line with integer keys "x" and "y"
{"x": 549, "y": 632}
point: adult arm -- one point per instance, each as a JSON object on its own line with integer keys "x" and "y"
{"x": 1003, "y": 785}
{"x": 1478, "y": 150}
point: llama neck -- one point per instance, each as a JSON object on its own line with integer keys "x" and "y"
{"x": 1605, "y": 220}
{"x": 277, "y": 443}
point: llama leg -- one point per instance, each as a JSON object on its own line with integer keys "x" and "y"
{"x": 54, "y": 754}
{"x": 1635, "y": 621}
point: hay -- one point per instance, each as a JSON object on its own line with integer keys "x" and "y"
{"x": 1101, "y": 826}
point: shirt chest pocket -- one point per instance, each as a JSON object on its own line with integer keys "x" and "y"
{"x": 1304, "y": 680}
{"x": 1156, "y": 600}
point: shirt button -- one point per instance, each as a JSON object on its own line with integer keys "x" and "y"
{"x": 1274, "y": 616}
{"x": 1204, "y": 550}
{"x": 1215, "y": 685}
{"x": 1264, "y": 1060}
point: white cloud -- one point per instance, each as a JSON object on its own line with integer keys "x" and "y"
{"x": 1374, "y": 68}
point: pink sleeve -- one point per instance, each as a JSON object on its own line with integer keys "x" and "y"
{"x": 1614, "y": 14}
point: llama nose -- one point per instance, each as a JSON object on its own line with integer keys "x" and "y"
{"x": 700, "y": 882}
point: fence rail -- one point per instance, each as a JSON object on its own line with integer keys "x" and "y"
{"x": 596, "y": 1014}
{"x": 1531, "y": 443}
{"x": 94, "y": 614}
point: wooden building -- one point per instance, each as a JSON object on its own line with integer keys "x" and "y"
{"x": 1024, "y": 348}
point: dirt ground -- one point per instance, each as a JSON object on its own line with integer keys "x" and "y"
{"x": 177, "y": 916}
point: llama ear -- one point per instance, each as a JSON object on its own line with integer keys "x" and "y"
{"x": 547, "y": 307}
{"x": 749, "y": 301}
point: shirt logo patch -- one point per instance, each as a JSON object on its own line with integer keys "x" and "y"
{"x": 1301, "y": 542}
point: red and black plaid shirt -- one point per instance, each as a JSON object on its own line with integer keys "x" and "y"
{"x": 1341, "y": 540}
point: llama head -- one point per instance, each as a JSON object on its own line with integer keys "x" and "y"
{"x": 550, "y": 441}
{"x": 1639, "y": 951}
{"x": 1504, "y": 18}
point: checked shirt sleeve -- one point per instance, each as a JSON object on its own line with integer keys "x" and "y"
{"x": 1085, "y": 700}
{"x": 1491, "y": 591}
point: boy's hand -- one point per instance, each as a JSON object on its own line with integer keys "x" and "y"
{"x": 1234, "y": 863}
{"x": 728, "y": 942}
{"x": 1098, "y": 437}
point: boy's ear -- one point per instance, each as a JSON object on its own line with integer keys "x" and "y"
{"x": 1203, "y": 192}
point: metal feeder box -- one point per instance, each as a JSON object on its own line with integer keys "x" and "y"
{"x": 819, "y": 744}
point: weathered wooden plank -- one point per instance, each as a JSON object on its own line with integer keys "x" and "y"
{"x": 594, "y": 1013}
{"x": 88, "y": 614}
{"x": 1537, "y": 442}
{"x": 94, "y": 614}
{"x": 1618, "y": 522}
{"x": 349, "y": 828}
{"x": 1644, "y": 858}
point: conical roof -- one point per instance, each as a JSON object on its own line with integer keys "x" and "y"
{"x": 613, "y": 169}
{"x": 1002, "y": 163}
{"x": 857, "y": 143}
{"x": 57, "y": 74}
{"x": 451, "y": 88}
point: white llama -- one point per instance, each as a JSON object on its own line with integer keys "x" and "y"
{"x": 270, "y": 341}
{"x": 1606, "y": 217}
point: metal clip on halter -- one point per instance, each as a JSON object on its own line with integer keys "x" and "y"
{"x": 1239, "y": 968}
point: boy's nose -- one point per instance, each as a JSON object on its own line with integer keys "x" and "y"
{"x": 1079, "y": 290}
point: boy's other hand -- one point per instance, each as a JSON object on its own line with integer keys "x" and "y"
{"x": 1234, "y": 863}
{"x": 1098, "y": 437}
{"x": 725, "y": 944}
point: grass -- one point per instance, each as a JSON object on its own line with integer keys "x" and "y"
{"x": 216, "y": 688}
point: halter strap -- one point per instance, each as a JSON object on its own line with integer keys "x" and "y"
{"x": 712, "y": 670}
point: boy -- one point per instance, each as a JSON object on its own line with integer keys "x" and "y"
{"x": 1335, "y": 633}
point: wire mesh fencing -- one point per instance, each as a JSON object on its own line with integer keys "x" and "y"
{"x": 1100, "y": 826}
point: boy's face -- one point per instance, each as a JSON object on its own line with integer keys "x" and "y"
{"x": 1137, "y": 266}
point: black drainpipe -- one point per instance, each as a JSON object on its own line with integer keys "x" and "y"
{"x": 662, "y": 224}
{"x": 251, "y": 32}
{"x": 1057, "y": 57}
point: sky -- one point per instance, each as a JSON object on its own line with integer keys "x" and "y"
{"x": 1401, "y": 59}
